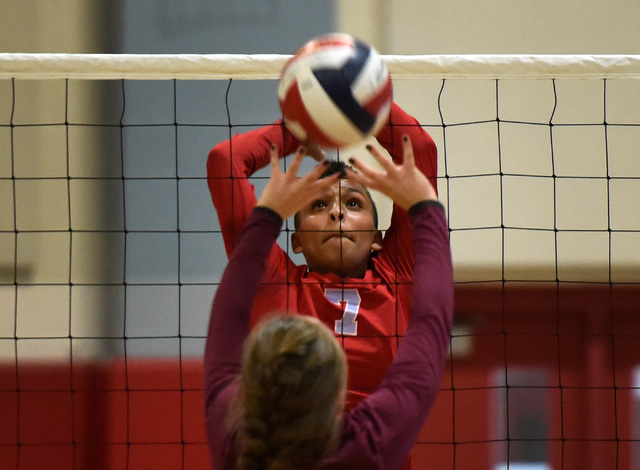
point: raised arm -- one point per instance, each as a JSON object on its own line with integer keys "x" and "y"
{"x": 406, "y": 395}
{"x": 424, "y": 148}
{"x": 231, "y": 309}
{"x": 283, "y": 196}
{"x": 231, "y": 163}
{"x": 389, "y": 420}
{"x": 398, "y": 245}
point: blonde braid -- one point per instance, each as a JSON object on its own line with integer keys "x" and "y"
{"x": 293, "y": 383}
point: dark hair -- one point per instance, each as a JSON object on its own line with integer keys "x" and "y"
{"x": 338, "y": 166}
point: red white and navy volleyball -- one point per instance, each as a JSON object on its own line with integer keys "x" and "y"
{"x": 336, "y": 91}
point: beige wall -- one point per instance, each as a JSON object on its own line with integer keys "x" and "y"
{"x": 494, "y": 26}
{"x": 394, "y": 27}
{"x": 537, "y": 27}
{"x": 75, "y": 26}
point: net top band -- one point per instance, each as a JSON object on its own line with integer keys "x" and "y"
{"x": 268, "y": 66}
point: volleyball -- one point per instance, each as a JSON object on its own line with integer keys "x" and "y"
{"x": 336, "y": 91}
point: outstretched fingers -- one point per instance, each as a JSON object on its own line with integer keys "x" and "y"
{"x": 315, "y": 178}
{"x": 294, "y": 166}
{"x": 365, "y": 175}
{"x": 407, "y": 152}
{"x": 274, "y": 162}
{"x": 296, "y": 162}
{"x": 317, "y": 171}
{"x": 403, "y": 182}
{"x": 368, "y": 175}
{"x": 286, "y": 193}
{"x": 307, "y": 188}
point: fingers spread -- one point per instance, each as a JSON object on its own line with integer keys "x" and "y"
{"x": 294, "y": 167}
{"x": 317, "y": 171}
{"x": 328, "y": 180}
{"x": 274, "y": 156}
{"x": 385, "y": 162}
{"x": 407, "y": 150}
{"x": 363, "y": 168}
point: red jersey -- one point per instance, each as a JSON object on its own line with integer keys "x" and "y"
{"x": 368, "y": 314}
{"x": 380, "y": 431}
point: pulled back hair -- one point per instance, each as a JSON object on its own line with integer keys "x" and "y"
{"x": 338, "y": 166}
{"x": 293, "y": 387}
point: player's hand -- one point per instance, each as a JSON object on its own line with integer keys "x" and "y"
{"x": 404, "y": 183}
{"x": 285, "y": 193}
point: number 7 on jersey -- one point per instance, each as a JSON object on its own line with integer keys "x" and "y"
{"x": 349, "y": 300}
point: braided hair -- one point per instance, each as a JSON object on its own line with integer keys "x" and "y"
{"x": 293, "y": 386}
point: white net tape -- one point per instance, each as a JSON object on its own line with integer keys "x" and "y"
{"x": 268, "y": 66}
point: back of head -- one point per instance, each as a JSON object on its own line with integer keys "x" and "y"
{"x": 293, "y": 383}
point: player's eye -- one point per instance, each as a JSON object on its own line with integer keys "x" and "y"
{"x": 354, "y": 203}
{"x": 318, "y": 205}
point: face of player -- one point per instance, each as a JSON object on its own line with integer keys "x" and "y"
{"x": 336, "y": 233}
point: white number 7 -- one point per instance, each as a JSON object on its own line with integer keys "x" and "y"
{"x": 349, "y": 300}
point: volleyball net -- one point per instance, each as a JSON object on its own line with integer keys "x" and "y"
{"x": 110, "y": 253}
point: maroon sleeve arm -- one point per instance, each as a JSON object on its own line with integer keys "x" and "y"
{"x": 387, "y": 423}
{"x": 233, "y": 302}
{"x": 229, "y": 166}
{"x": 398, "y": 242}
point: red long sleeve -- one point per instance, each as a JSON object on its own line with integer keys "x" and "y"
{"x": 229, "y": 166}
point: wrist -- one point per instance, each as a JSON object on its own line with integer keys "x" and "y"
{"x": 270, "y": 211}
{"x": 424, "y": 203}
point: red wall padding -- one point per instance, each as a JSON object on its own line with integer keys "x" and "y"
{"x": 148, "y": 413}
{"x": 136, "y": 415}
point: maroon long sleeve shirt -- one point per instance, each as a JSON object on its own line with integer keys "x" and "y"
{"x": 380, "y": 431}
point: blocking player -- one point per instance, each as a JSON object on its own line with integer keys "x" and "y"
{"x": 278, "y": 402}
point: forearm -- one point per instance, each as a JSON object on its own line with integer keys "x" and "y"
{"x": 427, "y": 338}
{"x": 398, "y": 238}
{"x": 246, "y": 153}
{"x": 424, "y": 148}
{"x": 412, "y": 383}
{"x": 231, "y": 163}
{"x": 432, "y": 293}
{"x": 233, "y": 302}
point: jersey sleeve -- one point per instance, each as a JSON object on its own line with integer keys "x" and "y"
{"x": 385, "y": 425}
{"x": 229, "y": 166}
{"x": 397, "y": 250}
{"x": 229, "y": 326}
{"x": 233, "y": 302}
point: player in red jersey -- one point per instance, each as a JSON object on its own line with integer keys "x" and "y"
{"x": 356, "y": 281}
{"x": 278, "y": 401}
